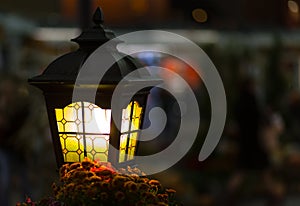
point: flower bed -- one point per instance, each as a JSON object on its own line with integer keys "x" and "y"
{"x": 91, "y": 183}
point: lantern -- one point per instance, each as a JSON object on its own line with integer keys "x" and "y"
{"x": 84, "y": 129}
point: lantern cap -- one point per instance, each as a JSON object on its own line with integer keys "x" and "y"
{"x": 97, "y": 35}
{"x": 65, "y": 69}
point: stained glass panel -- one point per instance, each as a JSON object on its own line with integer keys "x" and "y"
{"x": 96, "y": 120}
{"x": 132, "y": 145}
{"x": 122, "y": 150}
{"x": 130, "y": 127}
{"x": 126, "y": 113}
{"x": 72, "y": 147}
{"x": 97, "y": 147}
{"x": 84, "y": 131}
{"x": 136, "y": 117}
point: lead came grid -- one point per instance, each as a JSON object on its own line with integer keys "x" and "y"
{"x": 84, "y": 131}
{"x": 130, "y": 129}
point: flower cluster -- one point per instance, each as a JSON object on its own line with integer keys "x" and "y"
{"x": 91, "y": 183}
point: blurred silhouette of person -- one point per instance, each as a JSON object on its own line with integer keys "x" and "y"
{"x": 253, "y": 157}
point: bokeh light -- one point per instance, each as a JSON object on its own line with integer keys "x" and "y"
{"x": 293, "y": 6}
{"x": 199, "y": 15}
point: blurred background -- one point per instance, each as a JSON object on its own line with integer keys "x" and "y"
{"x": 254, "y": 44}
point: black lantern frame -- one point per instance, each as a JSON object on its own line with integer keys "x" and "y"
{"x": 72, "y": 139}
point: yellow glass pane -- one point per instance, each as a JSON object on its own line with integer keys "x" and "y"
{"x": 72, "y": 144}
{"x": 59, "y": 114}
{"x": 132, "y": 140}
{"x": 131, "y": 121}
{"x": 132, "y": 145}
{"x": 69, "y": 118}
{"x": 62, "y": 142}
{"x": 123, "y": 141}
{"x": 84, "y": 119}
{"x": 122, "y": 149}
{"x": 131, "y": 153}
{"x": 72, "y": 147}
{"x": 72, "y": 157}
{"x": 59, "y": 119}
{"x": 96, "y": 120}
{"x": 136, "y": 116}
{"x": 60, "y": 127}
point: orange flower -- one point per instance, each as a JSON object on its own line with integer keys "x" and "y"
{"x": 154, "y": 182}
{"x": 94, "y": 179}
{"x": 155, "y": 185}
{"x": 101, "y": 183}
{"x": 170, "y": 191}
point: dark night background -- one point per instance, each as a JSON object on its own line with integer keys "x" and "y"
{"x": 255, "y": 46}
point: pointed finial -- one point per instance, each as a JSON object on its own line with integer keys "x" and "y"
{"x": 98, "y": 16}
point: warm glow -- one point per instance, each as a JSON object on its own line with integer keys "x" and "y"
{"x": 131, "y": 121}
{"x": 199, "y": 15}
{"x": 123, "y": 143}
{"x": 293, "y": 6}
{"x": 84, "y": 131}
{"x": 130, "y": 146}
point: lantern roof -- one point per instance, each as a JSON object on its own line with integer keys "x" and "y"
{"x": 65, "y": 69}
